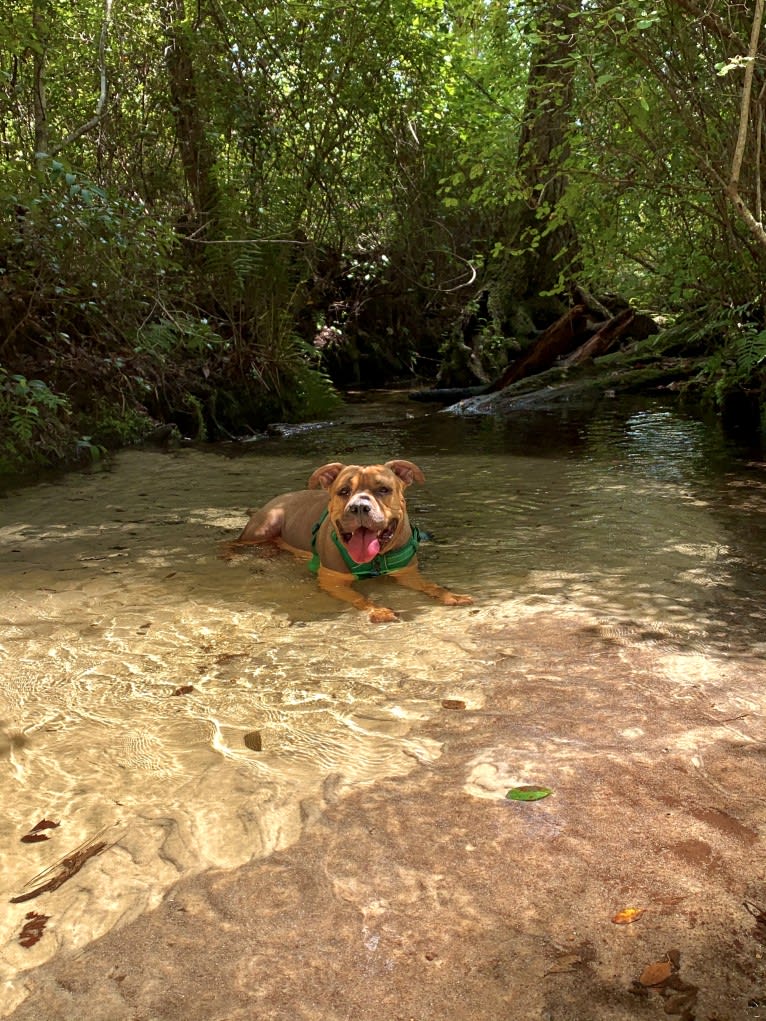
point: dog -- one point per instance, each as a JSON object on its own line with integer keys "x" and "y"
{"x": 351, "y": 523}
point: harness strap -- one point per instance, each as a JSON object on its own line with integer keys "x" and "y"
{"x": 383, "y": 563}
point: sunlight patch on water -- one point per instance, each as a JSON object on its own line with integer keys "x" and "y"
{"x": 196, "y": 710}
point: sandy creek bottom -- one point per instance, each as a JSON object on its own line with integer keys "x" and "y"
{"x": 194, "y": 711}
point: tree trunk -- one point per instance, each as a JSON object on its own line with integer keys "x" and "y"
{"x": 197, "y": 156}
{"x": 752, "y": 220}
{"x": 539, "y": 240}
{"x": 40, "y": 14}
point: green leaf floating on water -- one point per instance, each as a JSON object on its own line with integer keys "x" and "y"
{"x": 528, "y": 793}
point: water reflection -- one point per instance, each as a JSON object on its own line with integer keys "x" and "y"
{"x": 200, "y": 710}
{"x": 666, "y": 447}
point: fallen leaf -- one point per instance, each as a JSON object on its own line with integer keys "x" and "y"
{"x": 35, "y": 835}
{"x": 628, "y": 915}
{"x": 655, "y": 974}
{"x": 528, "y": 793}
{"x": 33, "y": 929}
{"x": 453, "y": 703}
{"x": 758, "y": 913}
{"x": 253, "y": 741}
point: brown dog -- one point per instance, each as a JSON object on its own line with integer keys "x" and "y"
{"x": 360, "y": 531}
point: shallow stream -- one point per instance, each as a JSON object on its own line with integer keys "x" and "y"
{"x": 191, "y": 709}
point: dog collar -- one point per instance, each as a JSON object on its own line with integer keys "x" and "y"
{"x": 383, "y": 563}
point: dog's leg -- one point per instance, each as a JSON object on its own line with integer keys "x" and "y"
{"x": 410, "y": 577}
{"x": 341, "y": 587}
{"x": 263, "y": 526}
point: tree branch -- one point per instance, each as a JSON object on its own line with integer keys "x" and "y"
{"x": 711, "y": 21}
{"x": 732, "y": 189}
{"x": 98, "y": 116}
{"x": 40, "y": 33}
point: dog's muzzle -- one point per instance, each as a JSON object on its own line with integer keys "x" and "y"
{"x": 363, "y": 528}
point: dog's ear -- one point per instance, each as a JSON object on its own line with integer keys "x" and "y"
{"x": 324, "y": 477}
{"x": 407, "y": 471}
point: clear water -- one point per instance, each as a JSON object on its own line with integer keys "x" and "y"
{"x": 193, "y": 709}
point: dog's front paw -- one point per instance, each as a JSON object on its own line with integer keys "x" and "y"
{"x": 382, "y": 615}
{"x": 453, "y": 599}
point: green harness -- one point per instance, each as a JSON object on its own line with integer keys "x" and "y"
{"x": 383, "y": 563}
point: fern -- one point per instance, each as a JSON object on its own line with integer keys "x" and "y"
{"x": 739, "y": 360}
{"x": 749, "y": 352}
{"x": 180, "y": 335}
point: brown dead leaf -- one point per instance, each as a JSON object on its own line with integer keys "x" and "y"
{"x": 33, "y": 929}
{"x": 36, "y": 834}
{"x": 656, "y": 973}
{"x": 253, "y": 741}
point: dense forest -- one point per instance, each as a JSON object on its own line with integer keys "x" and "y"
{"x": 219, "y": 214}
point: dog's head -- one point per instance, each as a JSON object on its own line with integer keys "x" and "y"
{"x": 366, "y": 504}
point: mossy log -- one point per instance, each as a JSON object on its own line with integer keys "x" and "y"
{"x": 604, "y": 339}
{"x": 567, "y": 333}
{"x": 583, "y": 383}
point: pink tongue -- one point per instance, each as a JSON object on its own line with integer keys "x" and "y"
{"x": 363, "y": 545}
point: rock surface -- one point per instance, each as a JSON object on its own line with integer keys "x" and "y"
{"x": 432, "y": 897}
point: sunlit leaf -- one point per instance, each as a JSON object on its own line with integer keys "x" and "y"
{"x": 528, "y": 793}
{"x": 628, "y": 915}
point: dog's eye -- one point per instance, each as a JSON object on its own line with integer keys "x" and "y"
{"x": 384, "y": 490}
{"x": 345, "y": 491}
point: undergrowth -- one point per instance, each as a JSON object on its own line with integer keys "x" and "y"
{"x": 34, "y": 424}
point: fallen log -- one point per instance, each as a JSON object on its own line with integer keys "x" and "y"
{"x": 604, "y": 339}
{"x": 566, "y": 334}
{"x": 582, "y": 296}
{"x": 448, "y": 395}
{"x": 583, "y": 384}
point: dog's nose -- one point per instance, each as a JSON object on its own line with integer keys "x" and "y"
{"x": 361, "y": 505}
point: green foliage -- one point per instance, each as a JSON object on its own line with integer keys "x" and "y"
{"x": 307, "y": 391}
{"x": 82, "y": 262}
{"x": 182, "y": 335}
{"x": 738, "y": 344}
{"x": 290, "y": 368}
{"x": 748, "y": 353}
{"x": 198, "y": 414}
{"x": 33, "y": 424}
{"x": 652, "y": 151}
{"x": 219, "y": 182}
{"x": 107, "y": 426}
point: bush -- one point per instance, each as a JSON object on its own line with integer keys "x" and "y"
{"x": 34, "y": 427}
